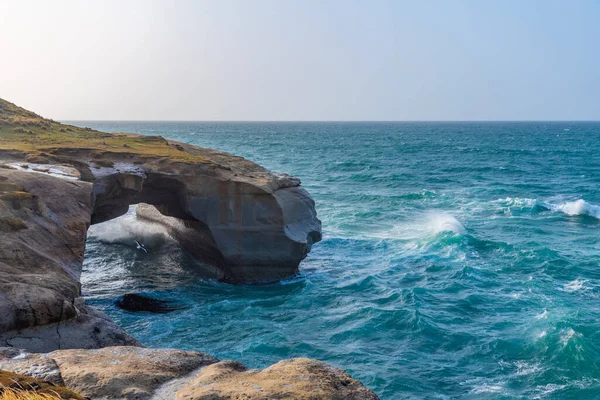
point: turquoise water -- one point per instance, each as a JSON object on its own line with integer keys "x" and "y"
{"x": 459, "y": 260}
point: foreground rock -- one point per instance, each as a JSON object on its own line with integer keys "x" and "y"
{"x": 138, "y": 373}
{"x": 298, "y": 378}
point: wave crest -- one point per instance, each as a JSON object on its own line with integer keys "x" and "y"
{"x": 438, "y": 222}
{"x": 579, "y": 207}
{"x": 570, "y": 208}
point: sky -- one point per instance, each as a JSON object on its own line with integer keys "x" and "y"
{"x": 317, "y": 60}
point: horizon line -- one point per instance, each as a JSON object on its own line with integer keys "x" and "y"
{"x": 326, "y": 121}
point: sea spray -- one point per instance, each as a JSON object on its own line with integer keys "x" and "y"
{"x": 127, "y": 229}
{"x": 438, "y": 222}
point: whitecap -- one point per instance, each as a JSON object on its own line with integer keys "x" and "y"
{"x": 438, "y": 222}
{"x": 487, "y": 389}
{"x": 579, "y": 207}
{"x": 543, "y": 315}
{"x": 574, "y": 286}
{"x": 517, "y": 202}
{"x": 524, "y": 368}
{"x": 542, "y": 334}
{"x": 566, "y": 335}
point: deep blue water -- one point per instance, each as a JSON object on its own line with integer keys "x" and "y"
{"x": 459, "y": 260}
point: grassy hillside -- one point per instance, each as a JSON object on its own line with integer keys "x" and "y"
{"x": 23, "y": 130}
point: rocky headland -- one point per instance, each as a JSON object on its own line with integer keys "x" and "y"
{"x": 243, "y": 223}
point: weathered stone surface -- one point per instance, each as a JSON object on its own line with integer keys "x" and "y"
{"x": 157, "y": 374}
{"x": 298, "y": 378}
{"x": 125, "y": 372}
{"x": 244, "y": 223}
{"x": 43, "y": 224}
{"x": 122, "y": 372}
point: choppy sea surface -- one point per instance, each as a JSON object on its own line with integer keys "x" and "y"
{"x": 459, "y": 260}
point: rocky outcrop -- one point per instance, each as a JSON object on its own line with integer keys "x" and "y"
{"x": 112, "y": 372}
{"x": 247, "y": 224}
{"x": 43, "y": 224}
{"x": 158, "y": 374}
{"x": 298, "y": 378}
{"x": 244, "y": 223}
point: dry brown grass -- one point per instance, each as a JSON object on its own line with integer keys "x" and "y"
{"x": 20, "y": 387}
{"x": 14, "y": 394}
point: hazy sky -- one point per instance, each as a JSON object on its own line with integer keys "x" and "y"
{"x": 302, "y": 60}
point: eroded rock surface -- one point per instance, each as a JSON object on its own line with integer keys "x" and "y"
{"x": 161, "y": 374}
{"x": 245, "y": 223}
{"x": 121, "y": 372}
{"x": 43, "y": 224}
{"x": 298, "y": 378}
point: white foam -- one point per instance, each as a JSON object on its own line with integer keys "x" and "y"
{"x": 127, "y": 228}
{"x": 570, "y": 208}
{"x": 478, "y": 389}
{"x": 542, "y": 334}
{"x": 579, "y": 207}
{"x": 574, "y": 286}
{"x": 517, "y": 202}
{"x": 524, "y": 368}
{"x": 543, "y": 315}
{"x": 566, "y": 335}
{"x": 428, "y": 225}
{"x": 438, "y": 222}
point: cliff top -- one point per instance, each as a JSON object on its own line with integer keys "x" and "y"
{"x": 26, "y": 135}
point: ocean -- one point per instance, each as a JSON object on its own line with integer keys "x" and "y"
{"x": 459, "y": 260}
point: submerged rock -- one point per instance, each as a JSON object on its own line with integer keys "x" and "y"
{"x": 139, "y": 302}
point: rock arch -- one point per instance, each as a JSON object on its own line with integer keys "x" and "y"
{"x": 248, "y": 224}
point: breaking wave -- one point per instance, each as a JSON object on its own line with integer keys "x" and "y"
{"x": 570, "y": 208}
{"x": 438, "y": 222}
{"x": 126, "y": 229}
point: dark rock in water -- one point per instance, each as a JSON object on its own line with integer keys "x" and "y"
{"x": 139, "y": 302}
